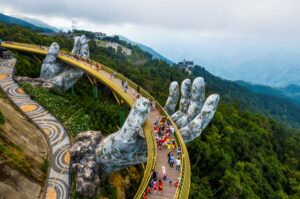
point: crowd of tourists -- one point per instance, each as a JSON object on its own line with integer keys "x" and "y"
{"x": 165, "y": 140}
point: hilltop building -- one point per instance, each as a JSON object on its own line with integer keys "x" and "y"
{"x": 100, "y": 35}
{"x": 185, "y": 64}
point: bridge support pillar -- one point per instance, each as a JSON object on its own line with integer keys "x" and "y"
{"x": 93, "y": 81}
{"x": 72, "y": 91}
{"x": 95, "y": 92}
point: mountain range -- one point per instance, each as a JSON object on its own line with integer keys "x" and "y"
{"x": 13, "y": 20}
{"x": 291, "y": 92}
{"x": 274, "y": 69}
{"x": 38, "y": 23}
{"x": 147, "y": 49}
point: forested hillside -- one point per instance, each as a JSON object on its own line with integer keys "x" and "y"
{"x": 290, "y": 93}
{"x": 242, "y": 154}
{"x": 245, "y": 155}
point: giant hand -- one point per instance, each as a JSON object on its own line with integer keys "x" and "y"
{"x": 58, "y": 74}
{"x": 93, "y": 156}
{"x": 194, "y": 114}
{"x": 50, "y": 67}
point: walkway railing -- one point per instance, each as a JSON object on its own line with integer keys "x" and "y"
{"x": 185, "y": 172}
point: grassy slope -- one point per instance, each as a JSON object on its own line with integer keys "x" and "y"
{"x": 80, "y": 112}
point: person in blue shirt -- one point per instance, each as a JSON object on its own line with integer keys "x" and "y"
{"x": 172, "y": 159}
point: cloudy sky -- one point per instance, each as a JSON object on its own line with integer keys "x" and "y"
{"x": 210, "y": 32}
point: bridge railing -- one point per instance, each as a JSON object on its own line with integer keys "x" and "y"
{"x": 185, "y": 172}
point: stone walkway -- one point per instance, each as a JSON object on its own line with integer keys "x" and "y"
{"x": 57, "y": 183}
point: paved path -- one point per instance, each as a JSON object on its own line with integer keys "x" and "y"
{"x": 57, "y": 183}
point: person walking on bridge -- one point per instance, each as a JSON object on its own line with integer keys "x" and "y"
{"x": 160, "y": 187}
{"x": 178, "y": 164}
{"x": 172, "y": 159}
{"x": 154, "y": 175}
{"x": 125, "y": 86}
{"x": 155, "y": 187}
{"x": 164, "y": 173}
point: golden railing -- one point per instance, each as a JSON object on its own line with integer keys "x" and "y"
{"x": 185, "y": 171}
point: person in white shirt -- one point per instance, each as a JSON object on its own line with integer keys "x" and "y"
{"x": 178, "y": 164}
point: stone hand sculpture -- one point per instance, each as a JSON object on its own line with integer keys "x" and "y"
{"x": 84, "y": 49}
{"x": 93, "y": 156}
{"x": 76, "y": 47}
{"x": 193, "y": 114}
{"x": 53, "y": 72}
{"x": 50, "y": 66}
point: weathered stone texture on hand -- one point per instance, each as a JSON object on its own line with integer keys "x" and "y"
{"x": 55, "y": 73}
{"x": 193, "y": 114}
{"x": 76, "y": 46}
{"x": 173, "y": 98}
{"x": 84, "y": 162}
{"x": 84, "y": 47}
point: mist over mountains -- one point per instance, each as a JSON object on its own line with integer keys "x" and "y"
{"x": 276, "y": 70}
{"x": 264, "y": 59}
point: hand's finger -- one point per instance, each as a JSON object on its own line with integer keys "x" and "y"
{"x": 136, "y": 118}
{"x": 197, "y": 125}
{"x": 76, "y": 46}
{"x": 184, "y": 100}
{"x": 182, "y": 121}
{"x": 195, "y": 104}
{"x": 185, "y": 95}
{"x": 173, "y": 98}
{"x": 198, "y": 97}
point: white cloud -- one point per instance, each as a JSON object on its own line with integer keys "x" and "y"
{"x": 244, "y": 16}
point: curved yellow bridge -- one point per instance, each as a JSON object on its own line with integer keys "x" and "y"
{"x": 154, "y": 156}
